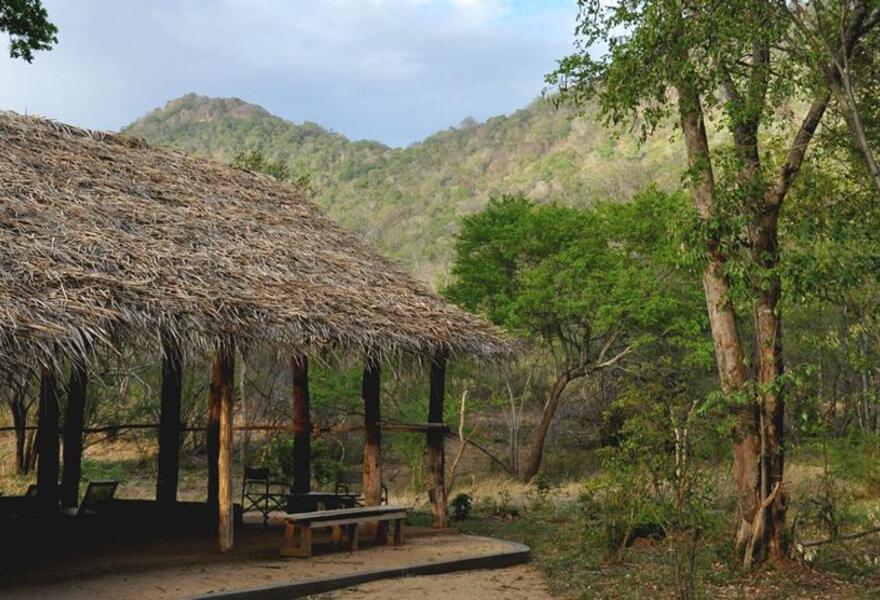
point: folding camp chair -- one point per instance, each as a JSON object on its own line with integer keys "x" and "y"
{"x": 32, "y": 490}
{"x": 260, "y": 493}
{"x": 98, "y": 495}
{"x": 350, "y": 483}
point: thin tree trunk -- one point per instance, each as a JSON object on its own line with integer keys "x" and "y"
{"x": 533, "y": 465}
{"x": 19, "y": 421}
{"x": 769, "y": 366}
{"x": 30, "y": 452}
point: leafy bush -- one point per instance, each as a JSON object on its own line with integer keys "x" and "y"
{"x": 500, "y": 505}
{"x": 461, "y": 507}
{"x": 277, "y": 455}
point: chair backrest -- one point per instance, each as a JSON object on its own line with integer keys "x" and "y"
{"x": 256, "y": 474}
{"x": 350, "y": 477}
{"x": 97, "y": 493}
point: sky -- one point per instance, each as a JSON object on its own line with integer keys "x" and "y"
{"x": 390, "y": 70}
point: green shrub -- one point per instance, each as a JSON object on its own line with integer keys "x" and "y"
{"x": 461, "y": 507}
{"x": 277, "y": 455}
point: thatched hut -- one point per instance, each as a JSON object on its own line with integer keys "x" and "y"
{"x": 109, "y": 243}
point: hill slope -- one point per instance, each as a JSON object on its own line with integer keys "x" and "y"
{"x": 407, "y": 201}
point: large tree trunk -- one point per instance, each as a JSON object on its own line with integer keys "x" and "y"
{"x": 758, "y": 429}
{"x": 729, "y": 355}
{"x": 537, "y": 451}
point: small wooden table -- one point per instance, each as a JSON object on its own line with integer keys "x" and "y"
{"x": 301, "y": 525}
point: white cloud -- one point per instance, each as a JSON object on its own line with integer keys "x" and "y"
{"x": 390, "y": 69}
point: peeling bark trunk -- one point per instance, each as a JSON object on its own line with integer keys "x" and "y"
{"x": 758, "y": 429}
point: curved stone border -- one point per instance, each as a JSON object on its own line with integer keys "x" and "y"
{"x": 515, "y": 554}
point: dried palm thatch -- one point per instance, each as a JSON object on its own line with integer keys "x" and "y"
{"x": 106, "y": 240}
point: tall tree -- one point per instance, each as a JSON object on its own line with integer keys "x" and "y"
{"x": 738, "y": 61}
{"x": 842, "y": 71}
{"x": 582, "y": 285}
{"x": 28, "y": 26}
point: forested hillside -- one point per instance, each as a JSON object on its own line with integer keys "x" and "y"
{"x": 408, "y": 201}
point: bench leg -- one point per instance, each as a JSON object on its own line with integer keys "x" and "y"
{"x": 398, "y": 532}
{"x": 352, "y": 537}
{"x": 382, "y": 533}
{"x": 306, "y": 541}
{"x": 336, "y": 536}
{"x": 301, "y": 550}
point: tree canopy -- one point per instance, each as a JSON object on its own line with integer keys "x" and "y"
{"x": 28, "y": 26}
{"x": 587, "y": 286}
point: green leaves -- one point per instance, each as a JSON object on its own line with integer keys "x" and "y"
{"x": 256, "y": 162}
{"x": 573, "y": 278}
{"x": 28, "y": 26}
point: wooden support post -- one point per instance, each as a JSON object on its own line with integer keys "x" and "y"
{"x": 436, "y": 451}
{"x": 226, "y": 383}
{"x": 372, "y": 434}
{"x": 169, "y": 422}
{"x": 74, "y": 420}
{"x": 212, "y": 435}
{"x": 302, "y": 426}
{"x": 47, "y": 443}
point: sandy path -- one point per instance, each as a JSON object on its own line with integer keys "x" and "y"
{"x": 515, "y": 583}
{"x": 168, "y": 570}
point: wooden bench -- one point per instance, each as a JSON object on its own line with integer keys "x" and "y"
{"x": 298, "y": 527}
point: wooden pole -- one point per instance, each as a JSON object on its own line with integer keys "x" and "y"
{"x": 436, "y": 450}
{"x": 225, "y": 529}
{"x": 372, "y": 434}
{"x": 47, "y": 442}
{"x": 169, "y": 422}
{"x": 302, "y": 426}
{"x": 74, "y": 422}
{"x": 212, "y": 434}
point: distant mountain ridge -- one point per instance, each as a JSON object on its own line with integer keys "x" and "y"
{"x": 408, "y": 201}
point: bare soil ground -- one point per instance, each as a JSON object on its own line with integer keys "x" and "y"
{"x": 166, "y": 569}
{"x": 515, "y": 583}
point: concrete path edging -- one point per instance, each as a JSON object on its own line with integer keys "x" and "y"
{"x": 514, "y": 554}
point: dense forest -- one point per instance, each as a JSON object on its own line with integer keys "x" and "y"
{"x": 408, "y": 201}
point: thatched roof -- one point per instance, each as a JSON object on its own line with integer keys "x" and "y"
{"x": 108, "y": 240}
